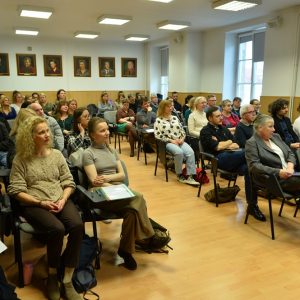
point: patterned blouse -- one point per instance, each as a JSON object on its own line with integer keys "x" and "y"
{"x": 168, "y": 129}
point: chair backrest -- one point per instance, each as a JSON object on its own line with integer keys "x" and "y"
{"x": 161, "y": 151}
{"x": 93, "y": 110}
{"x": 110, "y": 116}
{"x": 194, "y": 143}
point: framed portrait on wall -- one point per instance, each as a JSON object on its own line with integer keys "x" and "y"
{"x": 129, "y": 67}
{"x": 26, "y": 64}
{"x": 53, "y": 65}
{"x": 107, "y": 67}
{"x": 82, "y": 66}
{"x": 4, "y": 64}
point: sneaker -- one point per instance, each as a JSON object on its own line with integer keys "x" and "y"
{"x": 181, "y": 179}
{"x": 191, "y": 181}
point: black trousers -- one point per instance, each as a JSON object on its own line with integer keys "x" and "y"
{"x": 56, "y": 226}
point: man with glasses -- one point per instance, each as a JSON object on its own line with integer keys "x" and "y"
{"x": 244, "y": 130}
{"x": 211, "y": 102}
{"x": 218, "y": 140}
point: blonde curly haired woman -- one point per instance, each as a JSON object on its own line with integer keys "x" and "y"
{"x": 41, "y": 181}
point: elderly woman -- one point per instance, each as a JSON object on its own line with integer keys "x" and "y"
{"x": 197, "y": 119}
{"x": 41, "y": 181}
{"x": 79, "y": 138}
{"x": 168, "y": 128}
{"x": 230, "y": 120}
{"x": 125, "y": 123}
{"x": 103, "y": 167}
{"x": 267, "y": 154}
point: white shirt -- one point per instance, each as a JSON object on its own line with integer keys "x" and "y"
{"x": 279, "y": 152}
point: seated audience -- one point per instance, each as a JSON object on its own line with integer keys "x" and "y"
{"x": 267, "y": 154}
{"x": 7, "y": 146}
{"x": 103, "y": 167}
{"x": 177, "y": 105}
{"x": 154, "y": 103}
{"x": 60, "y": 95}
{"x": 47, "y": 106}
{"x": 186, "y": 105}
{"x": 133, "y": 103}
{"x": 119, "y": 100}
{"x": 236, "y": 106}
{"x": 211, "y": 102}
{"x": 79, "y": 138}
{"x": 105, "y": 104}
{"x": 145, "y": 118}
{"x": 244, "y": 130}
{"x": 125, "y": 123}
{"x": 218, "y": 140}
{"x": 72, "y": 104}
{"x": 7, "y": 112}
{"x": 191, "y": 108}
{"x": 64, "y": 120}
{"x": 283, "y": 125}
{"x": 17, "y": 100}
{"x": 168, "y": 129}
{"x": 57, "y": 135}
{"x": 256, "y": 104}
{"x": 296, "y": 125}
{"x": 41, "y": 181}
{"x": 197, "y": 119}
{"x": 35, "y": 97}
{"x": 229, "y": 120}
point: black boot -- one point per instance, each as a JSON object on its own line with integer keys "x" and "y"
{"x": 254, "y": 211}
{"x": 129, "y": 261}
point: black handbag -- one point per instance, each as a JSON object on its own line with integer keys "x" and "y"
{"x": 225, "y": 194}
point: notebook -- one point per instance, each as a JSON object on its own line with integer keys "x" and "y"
{"x": 114, "y": 192}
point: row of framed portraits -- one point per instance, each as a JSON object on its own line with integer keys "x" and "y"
{"x": 26, "y": 66}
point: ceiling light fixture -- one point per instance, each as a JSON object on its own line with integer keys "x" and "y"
{"x": 137, "y": 37}
{"x": 162, "y": 1}
{"x": 86, "y": 35}
{"x": 35, "y": 12}
{"x": 234, "y": 5}
{"x": 26, "y": 31}
{"x": 113, "y": 20}
{"x": 173, "y": 25}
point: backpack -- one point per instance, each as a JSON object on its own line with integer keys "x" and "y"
{"x": 84, "y": 277}
{"x": 7, "y": 291}
{"x": 160, "y": 233}
{"x": 225, "y": 194}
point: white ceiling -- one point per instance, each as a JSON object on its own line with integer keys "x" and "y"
{"x": 78, "y": 15}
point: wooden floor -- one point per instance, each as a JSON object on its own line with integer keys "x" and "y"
{"x": 215, "y": 255}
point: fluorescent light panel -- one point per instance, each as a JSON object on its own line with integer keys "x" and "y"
{"x": 136, "y": 37}
{"x": 86, "y": 35}
{"x": 234, "y": 5}
{"x": 113, "y": 20}
{"x": 38, "y": 12}
{"x": 26, "y": 31}
{"x": 162, "y": 1}
{"x": 173, "y": 25}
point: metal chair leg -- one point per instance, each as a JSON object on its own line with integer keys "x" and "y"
{"x": 271, "y": 218}
{"x": 18, "y": 257}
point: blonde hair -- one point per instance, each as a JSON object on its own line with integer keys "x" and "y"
{"x": 23, "y": 114}
{"x": 25, "y": 136}
{"x": 162, "y": 106}
{"x": 197, "y": 101}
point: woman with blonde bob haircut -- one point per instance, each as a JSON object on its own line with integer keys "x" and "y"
{"x": 41, "y": 181}
{"x": 197, "y": 119}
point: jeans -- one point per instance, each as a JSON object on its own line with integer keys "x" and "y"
{"x": 3, "y": 159}
{"x": 181, "y": 153}
{"x": 236, "y": 162}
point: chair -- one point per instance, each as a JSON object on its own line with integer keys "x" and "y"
{"x": 230, "y": 176}
{"x": 91, "y": 214}
{"x": 272, "y": 189}
{"x": 164, "y": 156}
{"x": 110, "y": 117}
{"x": 194, "y": 143}
{"x": 141, "y": 141}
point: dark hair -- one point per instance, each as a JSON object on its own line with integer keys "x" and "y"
{"x": 76, "y": 118}
{"x": 252, "y": 101}
{"x": 58, "y": 92}
{"x": 210, "y": 111}
{"x": 143, "y": 100}
{"x": 187, "y": 98}
{"x": 59, "y": 105}
{"x": 237, "y": 99}
{"x": 277, "y": 105}
{"x": 25, "y": 104}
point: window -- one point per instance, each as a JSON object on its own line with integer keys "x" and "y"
{"x": 250, "y": 65}
{"x": 164, "y": 76}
